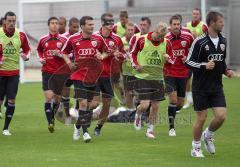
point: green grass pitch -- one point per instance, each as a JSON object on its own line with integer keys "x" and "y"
{"x": 31, "y": 145}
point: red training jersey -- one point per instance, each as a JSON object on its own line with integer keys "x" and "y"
{"x": 46, "y": 47}
{"x": 89, "y": 68}
{"x": 181, "y": 44}
{"x": 112, "y": 65}
{"x": 67, "y": 35}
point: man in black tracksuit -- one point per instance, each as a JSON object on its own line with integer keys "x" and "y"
{"x": 207, "y": 60}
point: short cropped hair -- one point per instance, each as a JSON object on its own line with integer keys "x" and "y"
{"x": 9, "y": 13}
{"x": 123, "y": 13}
{"x": 84, "y": 19}
{"x": 73, "y": 20}
{"x": 52, "y": 18}
{"x": 146, "y": 19}
{"x": 106, "y": 15}
{"x": 174, "y": 17}
{"x": 212, "y": 16}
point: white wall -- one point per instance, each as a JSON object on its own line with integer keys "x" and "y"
{"x": 8, "y": 5}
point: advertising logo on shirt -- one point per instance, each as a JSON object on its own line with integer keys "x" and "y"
{"x": 86, "y": 52}
{"x": 215, "y": 57}
{"x": 180, "y": 52}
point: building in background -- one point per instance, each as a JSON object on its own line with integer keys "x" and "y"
{"x": 36, "y": 13}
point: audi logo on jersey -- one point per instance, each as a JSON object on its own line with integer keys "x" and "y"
{"x": 180, "y": 52}
{"x": 86, "y": 51}
{"x": 50, "y": 52}
{"x": 215, "y": 57}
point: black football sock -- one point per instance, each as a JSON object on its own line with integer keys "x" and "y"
{"x": 48, "y": 112}
{"x": 6, "y": 103}
{"x": 171, "y": 115}
{"x": 88, "y": 119}
{"x": 77, "y": 105}
{"x": 54, "y": 108}
{"x": 9, "y": 114}
{"x": 99, "y": 126}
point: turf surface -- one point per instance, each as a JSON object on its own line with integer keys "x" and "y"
{"x": 31, "y": 145}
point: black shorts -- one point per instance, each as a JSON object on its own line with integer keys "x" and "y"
{"x": 115, "y": 78}
{"x": 205, "y": 100}
{"x": 83, "y": 91}
{"x": 176, "y": 84}
{"x": 129, "y": 82}
{"x": 104, "y": 86}
{"x": 54, "y": 82}
{"x": 9, "y": 86}
{"x": 150, "y": 90}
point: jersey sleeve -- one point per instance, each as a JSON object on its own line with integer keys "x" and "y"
{"x": 137, "y": 29}
{"x": 115, "y": 28}
{"x": 121, "y": 49}
{"x": 169, "y": 51}
{"x": 193, "y": 60}
{"x": 67, "y": 48}
{"x": 25, "y": 45}
{"x": 204, "y": 28}
{"x": 191, "y": 39}
{"x": 132, "y": 43}
{"x": 225, "y": 67}
{"x": 40, "y": 50}
{"x": 137, "y": 48}
{"x": 1, "y": 54}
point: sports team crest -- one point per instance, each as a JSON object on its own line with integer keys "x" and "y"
{"x": 46, "y": 44}
{"x": 94, "y": 43}
{"x": 59, "y": 45}
{"x": 222, "y": 46}
{"x": 111, "y": 43}
{"x": 207, "y": 48}
{"x": 183, "y": 43}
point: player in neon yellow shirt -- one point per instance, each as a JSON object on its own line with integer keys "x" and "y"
{"x": 14, "y": 45}
{"x": 149, "y": 55}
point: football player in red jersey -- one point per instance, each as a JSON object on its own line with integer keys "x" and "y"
{"x": 87, "y": 48}
{"x": 176, "y": 74}
{"x": 48, "y": 47}
{"x": 110, "y": 66}
{"x": 73, "y": 27}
